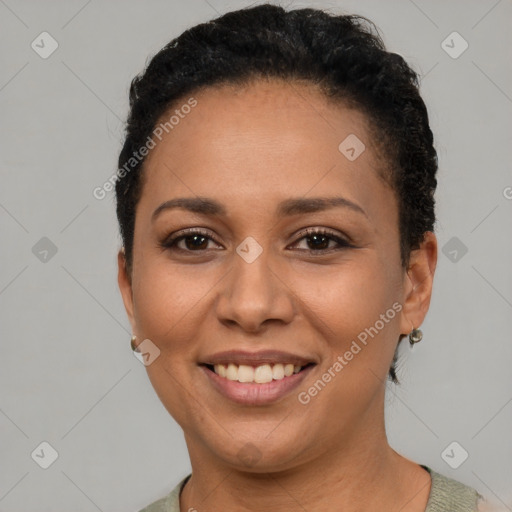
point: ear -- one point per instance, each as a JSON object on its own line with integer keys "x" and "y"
{"x": 125, "y": 286}
{"x": 418, "y": 283}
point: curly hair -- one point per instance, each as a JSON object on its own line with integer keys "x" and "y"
{"x": 343, "y": 55}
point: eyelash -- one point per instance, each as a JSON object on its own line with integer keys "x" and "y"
{"x": 170, "y": 243}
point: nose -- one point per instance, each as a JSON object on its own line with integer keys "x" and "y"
{"x": 254, "y": 295}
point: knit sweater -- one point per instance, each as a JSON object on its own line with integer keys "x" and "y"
{"x": 446, "y": 495}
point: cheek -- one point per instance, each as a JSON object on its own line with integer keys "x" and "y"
{"x": 169, "y": 307}
{"x": 356, "y": 309}
{"x": 169, "y": 303}
{"x": 350, "y": 296}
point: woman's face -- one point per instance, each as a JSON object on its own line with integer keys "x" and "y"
{"x": 255, "y": 290}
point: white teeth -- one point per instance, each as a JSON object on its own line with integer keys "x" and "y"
{"x": 220, "y": 369}
{"x": 263, "y": 374}
{"x": 245, "y": 373}
{"x": 232, "y": 372}
{"x": 260, "y": 374}
{"x": 278, "y": 371}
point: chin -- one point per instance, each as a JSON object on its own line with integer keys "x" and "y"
{"x": 259, "y": 454}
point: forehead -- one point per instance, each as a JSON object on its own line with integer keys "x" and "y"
{"x": 269, "y": 139}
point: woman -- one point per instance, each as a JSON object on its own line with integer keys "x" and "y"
{"x": 276, "y": 205}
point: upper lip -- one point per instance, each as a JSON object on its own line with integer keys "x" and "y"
{"x": 256, "y": 358}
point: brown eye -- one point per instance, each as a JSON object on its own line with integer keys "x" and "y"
{"x": 190, "y": 240}
{"x": 194, "y": 242}
{"x": 319, "y": 241}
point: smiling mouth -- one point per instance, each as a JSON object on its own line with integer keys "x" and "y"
{"x": 261, "y": 374}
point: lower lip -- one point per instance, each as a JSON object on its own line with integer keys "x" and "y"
{"x": 251, "y": 393}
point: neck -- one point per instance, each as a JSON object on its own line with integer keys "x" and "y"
{"x": 361, "y": 471}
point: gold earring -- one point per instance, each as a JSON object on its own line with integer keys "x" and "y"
{"x": 132, "y": 343}
{"x": 415, "y": 336}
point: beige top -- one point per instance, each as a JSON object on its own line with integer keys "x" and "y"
{"x": 446, "y": 495}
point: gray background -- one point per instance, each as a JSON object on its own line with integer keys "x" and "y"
{"x": 67, "y": 374}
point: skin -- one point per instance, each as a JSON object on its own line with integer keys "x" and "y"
{"x": 249, "y": 149}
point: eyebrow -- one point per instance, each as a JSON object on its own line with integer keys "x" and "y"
{"x": 287, "y": 208}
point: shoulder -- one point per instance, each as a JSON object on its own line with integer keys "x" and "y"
{"x": 169, "y": 503}
{"x": 449, "y": 495}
